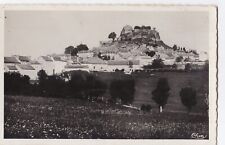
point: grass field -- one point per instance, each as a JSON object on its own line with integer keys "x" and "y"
{"x": 146, "y": 83}
{"x": 38, "y": 117}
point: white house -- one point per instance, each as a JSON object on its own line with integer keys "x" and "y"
{"x": 95, "y": 64}
{"x": 36, "y": 65}
{"x": 47, "y": 64}
{"x": 85, "y": 54}
{"x": 59, "y": 65}
{"x": 22, "y": 65}
{"x": 24, "y": 59}
{"x": 114, "y": 65}
{"x": 10, "y": 64}
{"x": 75, "y": 67}
{"x": 10, "y": 68}
{"x": 169, "y": 61}
{"x": 145, "y": 60}
{"x": 27, "y": 69}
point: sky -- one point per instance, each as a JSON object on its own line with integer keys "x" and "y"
{"x": 36, "y": 33}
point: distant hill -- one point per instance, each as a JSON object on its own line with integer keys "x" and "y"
{"x": 140, "y": 40}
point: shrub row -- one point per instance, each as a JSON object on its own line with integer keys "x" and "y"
{"x": 88, "y": 86}
{"x": 81, "y": 85}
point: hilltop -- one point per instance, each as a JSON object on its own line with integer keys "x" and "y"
{"x": 140, "y": 41}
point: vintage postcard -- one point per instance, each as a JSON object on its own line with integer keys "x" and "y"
{"x": 112, "y": 74}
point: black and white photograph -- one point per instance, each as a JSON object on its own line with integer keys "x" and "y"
{"x": 144, "y": 72}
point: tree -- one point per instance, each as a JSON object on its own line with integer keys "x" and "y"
{"x": 188, "y": 97}
{"x": 137, "y": 27}
{"x": 187, "y": 67}
{"x": 74, "y": 52}
{"x": 94, "y": 87}
{"x": 157, "y": 63}
{"x": 150, "y": 53}
{"x": 15, "y": 83}
{"x": 55, "y": 86}
{"x": 82, "y": 47}
{"x": 179, "y": 59}
{"x": 77, "y": 84}
{"x": 112, "y": 36}
{"x": 68, "y": 50}
{"x": 161, "y": 93}
{"x": 146, "y": 108}
{"x": 42, "y": 77}
{"x": 174, "y": 47}
{"x": 123, "y": 90}
{"x": 99, "y": 55}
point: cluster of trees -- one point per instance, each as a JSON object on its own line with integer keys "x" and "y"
{"x": 161, "y": 94}
{"x": 14, "y": 83}
{"x": 156, "y": 64}
{"x": 179, "y": 59}
{"x": 150, "y": 53}
{"x": 112, "y": 36}
{"x": 159, "y": 64}
{"x": 123, "y": 90}
{"x": 81, "y": 85}
{"x": 74, "y": 50}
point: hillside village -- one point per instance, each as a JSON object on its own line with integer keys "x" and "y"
{"x": 133, "y": 49}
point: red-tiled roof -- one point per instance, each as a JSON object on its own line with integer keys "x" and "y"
{"x": 26, "y": 67}
{"x": 57, "y": 58}
{"x": 12, "y": 67}
{"x": 118, "y": 62}
{"x": 24, "y": 58}
{"x": 34, "y": 62}
{"x": 94, "y": 60}
{"x": 11, "y": 60}
{"x": 76, "y": 66}
{"x": 47, "y": 58}
{"x": 134, "y": 62}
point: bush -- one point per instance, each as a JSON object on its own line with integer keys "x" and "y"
{"x": 15, "y": 83}
{"x": 86, "y": 86}
{"x": 188, "y": 97}
{"x": 161, "y": 93}
{"x": 81, "y": 85}
{"x": 55, "y": 86}
{"x": 123, "y": 89}
{"x": 77, "y": 84}
{"x": 50, "y": 86}
{"x": 157, "y": 63}
{"x": 146, "y": 108}
{"x": 179, "y": 59}
{"x": 150, "y": 53}
{"x": 188, "y": 67}
{"x": 94, "y": 87}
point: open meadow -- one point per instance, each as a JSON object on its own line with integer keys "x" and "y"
{"x": 39, "y": 117}
{"x": 146, "y": 82}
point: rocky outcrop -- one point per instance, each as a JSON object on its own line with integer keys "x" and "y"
{"x": 140, "y": 34}
{"x": 139, "y": 41}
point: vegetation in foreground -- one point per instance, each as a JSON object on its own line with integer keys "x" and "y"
{"x": 40, "y": 117}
